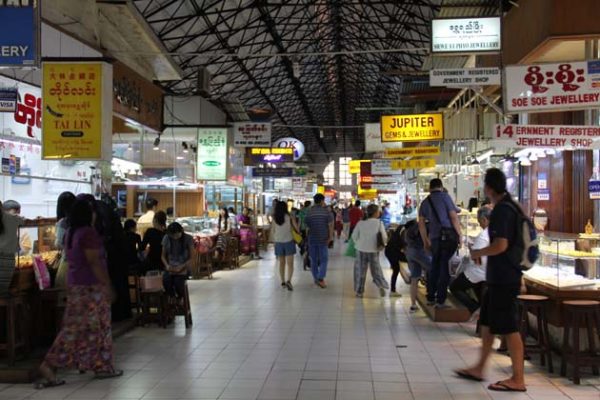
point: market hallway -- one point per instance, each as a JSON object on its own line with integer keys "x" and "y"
{"x": 253, "y": 340}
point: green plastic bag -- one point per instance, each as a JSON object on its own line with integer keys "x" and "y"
{"x": 350, "y": 250}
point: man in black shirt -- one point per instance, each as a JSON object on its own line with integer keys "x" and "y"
{"x": 499, "y": 315}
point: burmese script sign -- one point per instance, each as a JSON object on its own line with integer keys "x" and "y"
{"x": 466, "y": 35}
{"x": 412, "y": 127}
{"x": 552, "y": 87}
{"x": 412, "y": 152}
{"x": 551, "y": 136}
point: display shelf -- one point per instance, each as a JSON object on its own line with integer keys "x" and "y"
{"x": 562, "y": 256}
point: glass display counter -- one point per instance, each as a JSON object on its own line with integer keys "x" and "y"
{"x": 199, "y": 226}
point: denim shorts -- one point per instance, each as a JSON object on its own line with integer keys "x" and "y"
{"x": 418, "y": 261}
{"x": 285, "y": 248}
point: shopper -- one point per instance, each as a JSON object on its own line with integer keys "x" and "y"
{"x": 346, "y": 222}
{"x": 224, "y": 227}
{"x": 418, "y": 260}
{"x": 339, "y": 225}
{"x": 319, "y": 224}
{"x": 472, "y": 279}
{"x": 133, "y": 246}
{"x": 395, "y": 253}
{"x": 63, "y": 208}
{"x": 303, "y": 231}
{"x": 234, "y": 226}
{"x": 365, "y": 237}
{"x": 177, "y": 251}
{"x": 14, "y": 207}
{"x": 152, "y": 243}
{"x": 499, "y": 315}
{"x": 247, "y": 232}
{"x": 441, "y": 238}
{"x": 85, "y": 339}
{"x": 356, "y": 215}
{"x": 9, "y": 246}
{"x": 285, "y": 247}
{"x": 386, "y": 216}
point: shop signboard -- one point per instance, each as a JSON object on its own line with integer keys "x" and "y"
{"x": 299, "y": 185}
{"x": 412, "y": 152}
{"x": 412, "y": 127}
{"x": 383, "y": 167}
{"x": 354, "y": 166}
{"x": 548, "y": 136}
{"x": 251, "y": 134}
{"x": 212, "y": 154}
{"x": 292, "y": 143}
{"x": 77, "y": 110}
{"x": 259, "y": 155}
{"x": 594, "y": 189}
{"x": 413, "y": 164}
{"x": 466, "y": 35}
{"x": 19, "y": 36}
{"x": 8, "y": 100}
{"x": 459, "y": 78}
{"x": 272, "y": 172}
{"x": 373, "y": 143}
{"x": 552, "y": 87}
{"x": 26, "y": 120}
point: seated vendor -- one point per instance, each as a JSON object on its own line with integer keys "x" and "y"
{"x": 177, "y": 252}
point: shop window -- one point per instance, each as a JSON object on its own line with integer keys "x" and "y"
{"x": 329, "y": 174}
{"x": 344, "y": 173}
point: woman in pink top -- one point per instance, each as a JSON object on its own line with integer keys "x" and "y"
{"x": 85, "y": 339}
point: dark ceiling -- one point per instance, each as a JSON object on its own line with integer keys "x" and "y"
{"x": 343, "y": 58}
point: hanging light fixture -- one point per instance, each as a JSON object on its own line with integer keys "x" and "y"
{"x": 156, "y": 142}
{"x": 185, "y": 147}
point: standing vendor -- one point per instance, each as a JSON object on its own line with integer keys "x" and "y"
{"x": 13, "y": 207}
{"x": 145, "y": 221}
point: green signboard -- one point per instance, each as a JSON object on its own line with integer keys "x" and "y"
{"x": 212, "y": 154}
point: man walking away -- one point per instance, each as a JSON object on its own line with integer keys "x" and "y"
{"x": 319, "y": 224}
{"x": 356, "y": 215}
{"x": 442, "y": 240}
{"x": 499, "y": 315}
{"x": 346, "y": 222}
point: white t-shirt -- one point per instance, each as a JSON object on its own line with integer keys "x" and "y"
{"x": 282, "y": 233}
{"x": 365, "y": 235}
{"x": 476, "y": 273}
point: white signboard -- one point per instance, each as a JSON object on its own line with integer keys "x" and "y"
{"x": 548, "y": 87}
{"x": 26, "y": 121}
{"x": 384, "y": 167}
{"x": 373, "y": 143}
{"x": 252, "y": 134}
{"x": 549, "y": 136}
{"x": 466, "y": 35}
{"x": 386, "y": 179}
{"x": 298, "y": 185}
{"x": 386, "y": 187}
{"x": 464, "y": 77}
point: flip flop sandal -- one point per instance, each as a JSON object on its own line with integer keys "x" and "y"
{"x": 503, "y": 387}
{"x": 108, "y": 375}
{"x": 467, "y": 376}
{"x": 49, "y": 384}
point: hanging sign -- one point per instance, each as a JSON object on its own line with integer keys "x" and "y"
{"x": 270, "y": 154}
{"x": 19, "y": 36}
{"x": 272, "y": 172}
{"x": 292, "y": 143}
{"x": 547, "y": 87}
{"x": 412, "y": 152}
{"x": 212, "y": 154}
{"x": 464, "y": 77}
{"x": 26, "y": 120}
{"x": 8, "y": 99}
{"x": 77, "y": 110}
{"x": 251, "y": 134}
{"x": 550, "y": 136}
{"x": 466, "y": 35}
{"x": 354, "y": 166}
{"x": 373, "y": 143}
{"x": 383, "y": 167}
{"x": 412, "y": 127}
{"x": 413, "y": 164}
{"x": 594, "y": 189}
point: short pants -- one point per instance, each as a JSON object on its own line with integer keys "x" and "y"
{"x": 499, "y": 309}
{"x": 283, "y": 249}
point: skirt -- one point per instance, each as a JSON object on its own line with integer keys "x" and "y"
{"x": 85, "y": 338}
{"x": 247, "y": 241}
{"x": 7, "y": 270}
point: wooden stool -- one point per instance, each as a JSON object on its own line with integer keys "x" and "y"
{"x": 204, "y": 263}
{"x": 234, "y": 246}
{"x": 529, "y": 303}
{"x": 16, "y": 329}
{"x": 184, "y": 309}
{"x": 580, "y": 314}
{"x": 154, "y": 299}
{"x": 133, "y": 284}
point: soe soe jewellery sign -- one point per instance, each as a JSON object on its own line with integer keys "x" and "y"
{"x": 552, "y": 87}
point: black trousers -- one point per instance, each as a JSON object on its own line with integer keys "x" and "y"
{"x": 462, "y": 287}
{"x": 174, "y": 284}
{"x": 395, "y": 265}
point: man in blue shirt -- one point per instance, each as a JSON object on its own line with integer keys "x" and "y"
{"x": 436, "y": 214}
{"x": 319, "y": 223}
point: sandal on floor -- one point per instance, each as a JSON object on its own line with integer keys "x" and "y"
{"x": 467, "y": 376}
{"x": 503, "y": 387}
{"x": 49, "y": 384}
{"x": 108, "y": 375}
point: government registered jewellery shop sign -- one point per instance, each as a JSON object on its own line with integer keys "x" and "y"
{"x": 548, "y": 136}
{"x": 552, "y": 87}
{"x": 466, "y": 35}
{"x": 464, "y": 77}
{"x": 19, "y": 35}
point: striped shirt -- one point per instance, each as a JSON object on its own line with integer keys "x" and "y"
{"x": 317, "y": 221}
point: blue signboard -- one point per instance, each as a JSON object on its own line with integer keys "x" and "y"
{"x": 594, "y": 189}
{"x": 19, "y": 44}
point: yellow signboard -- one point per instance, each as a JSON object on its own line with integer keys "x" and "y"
{"x": 413, "y": 164}
{"x": 412, "y": 127}
{"x": 354, "y": 166}
{"x": 271, "y": 150}
{"x": 366, "y": 194}
{"x": 412, "y": 152}
{"x": 72, "y": 122}
{"x": 321, "y": 189}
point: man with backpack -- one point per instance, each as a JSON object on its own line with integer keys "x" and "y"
{"x": 499, "y": 311}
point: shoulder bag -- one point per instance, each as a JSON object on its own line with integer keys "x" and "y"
{"x": 448, "y": 236}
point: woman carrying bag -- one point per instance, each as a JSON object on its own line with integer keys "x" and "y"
{"x": 369, "y": 238}
{"x": 285, "y": 246}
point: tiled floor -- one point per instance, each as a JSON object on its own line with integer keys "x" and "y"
{"x": 253, "y": 340}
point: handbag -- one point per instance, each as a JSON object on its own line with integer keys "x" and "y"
{"x": 297, "y": 237}
{"x": 448, "y": 236}
{"x": 153, "y": 281}
{"x": 380, "y": 242}
{"x": 350, "y": 250}
{"x": 42, "y": 276}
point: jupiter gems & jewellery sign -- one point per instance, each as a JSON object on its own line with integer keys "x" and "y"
{"x": 19, "y": 35}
